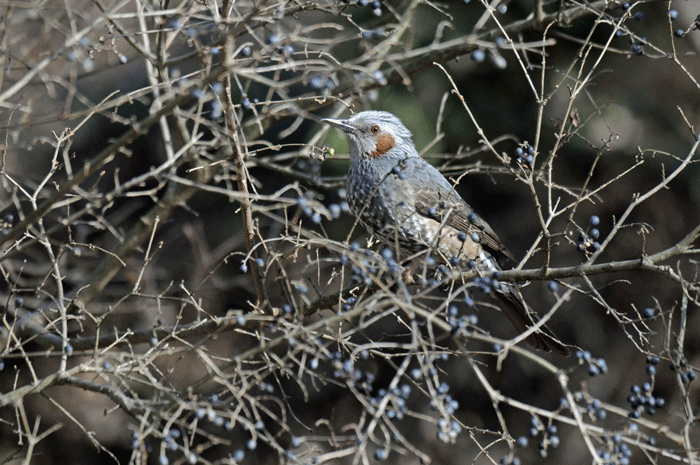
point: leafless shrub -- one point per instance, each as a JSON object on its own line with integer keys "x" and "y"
{"x": 183, "y": 283}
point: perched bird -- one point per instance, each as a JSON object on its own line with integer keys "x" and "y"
{"x": 410, "y": 206}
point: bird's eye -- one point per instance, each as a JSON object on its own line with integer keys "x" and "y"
{"x": 374, "y": 129}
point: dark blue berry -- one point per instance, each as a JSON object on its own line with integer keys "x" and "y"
{"x": 316, "y": 82}
{"x": 603, "y": 365}
{"x": 648, "y": 313}
{"x": 381, "y": 454}
{"x": 478, "y": 55}
{"x": 387, "y": 254}
{"x": 673, "y": 14}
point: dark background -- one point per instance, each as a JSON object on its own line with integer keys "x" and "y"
{"x": 633, "y": 108}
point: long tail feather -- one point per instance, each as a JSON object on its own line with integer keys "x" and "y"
{"x": 515, "y": 308}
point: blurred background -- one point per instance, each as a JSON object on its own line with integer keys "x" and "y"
{"x": 155, "y": 311}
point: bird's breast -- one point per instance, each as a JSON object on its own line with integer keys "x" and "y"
{"x": 366, "y": 197}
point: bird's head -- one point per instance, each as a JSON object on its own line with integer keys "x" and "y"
{"x": 373, "y": 134}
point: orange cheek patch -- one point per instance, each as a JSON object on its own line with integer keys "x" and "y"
{"x": 384, "y": 143}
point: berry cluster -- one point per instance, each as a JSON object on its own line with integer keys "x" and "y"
{"x": 376, "y": 5}
{"x": 596, "y": 366}
{"x": 460, "y": 323}
{"x": 7, "y": 223}
{"x": 687, "y": 374}
{"x": 371, "y": 267}
{"x": 525, "y": 155}
{"x": 320, "y": 82}
{"x": 549, "y": 431}
{"x": 171, "y": 438}
{"x": 616, "y": 451}
{"x": 589, "y": 239}
{"x": 594, "y": 407}
{"x": 641, "y": 399}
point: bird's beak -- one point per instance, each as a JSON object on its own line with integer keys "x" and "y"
{"x": 340, "y": 124}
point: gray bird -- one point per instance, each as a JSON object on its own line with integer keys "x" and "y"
{"x": 410, "y": 206}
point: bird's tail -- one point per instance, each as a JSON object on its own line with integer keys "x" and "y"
{"x": 517, "y": 311}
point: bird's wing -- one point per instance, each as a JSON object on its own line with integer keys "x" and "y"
{"x": 449, "y": 208}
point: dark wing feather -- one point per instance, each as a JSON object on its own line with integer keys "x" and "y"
{"x": 451, "y": 205}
